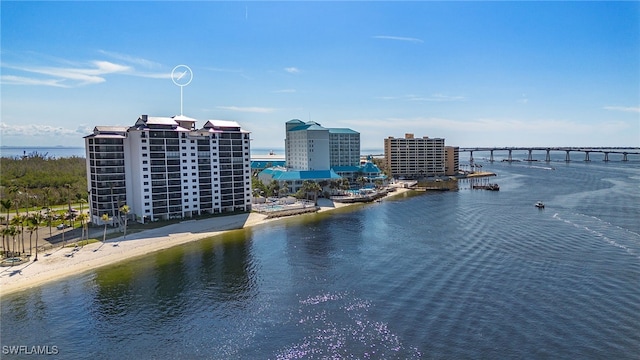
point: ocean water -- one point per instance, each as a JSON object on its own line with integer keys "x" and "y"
{"x": 468, "y": 274}
{"x": 49, "y": 152}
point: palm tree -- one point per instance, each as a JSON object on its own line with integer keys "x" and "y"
{"x": 105, "y": 218}
{"x": 7, "y": 233}
{"x": 311, "y": 186}
{"x": 6, "y": 204}
{"x": 125, "y": 210}
{"x": 31, "y": 228}
{"x": 83, "y": 224}
{"x": 13, "y": 231}
{"x": 36, "y": 220}
{"x": 1, "y": 221}
{"x": 82, "y": 201}
{"x": 18, "y": 221}
{"x": 49, "y": 221}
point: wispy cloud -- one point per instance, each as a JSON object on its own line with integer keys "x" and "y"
{"x": 632, "y": 109}
{"x": 292, "y": 70}
{"x": 35, "y": 130}
{"x": 93, "y": 73}
{"x": 20, "y": 80}
{"x": 249, "y": 109}
{"x": 131, "y": 59}
{"x": 398, "y": 38}
{"x": 431, "y": 98}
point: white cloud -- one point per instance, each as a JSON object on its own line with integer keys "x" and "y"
{"x": 292, "y": 70}
{"x": 131, "y": 59}
{"x": 35, "y": 130}
{"x": 68, "y": 76}
{"x": 250, "y": 109}
{"x": 20, "y": 80}
{"x": 398, "y": 38}
{"x": 623, "y": 108}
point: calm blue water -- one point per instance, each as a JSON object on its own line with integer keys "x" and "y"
{"x": 49, "y": 152}
{"x": 455, "y": 275}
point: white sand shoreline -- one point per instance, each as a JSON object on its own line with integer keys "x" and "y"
{"x": 57, "y": 264}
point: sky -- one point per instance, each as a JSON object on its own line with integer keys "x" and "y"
{"x": 473, "y": 73}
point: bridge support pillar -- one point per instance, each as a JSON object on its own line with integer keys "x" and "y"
{"x": 567, "y": 158}
{"x": 530, "y": 158}
{"x": 471, "y": 157}
{"x": 606, "y": 156}
{"x": 624, "y": 157}
{"x": 548, "y": 157}
{"x": 491, "y": 156}
{"x": 586, "y": 156}
{"x": 510, "y": 158}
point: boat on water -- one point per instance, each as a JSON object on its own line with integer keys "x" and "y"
{"x": 492, "y": 187}
{"x": 539, "y": 205}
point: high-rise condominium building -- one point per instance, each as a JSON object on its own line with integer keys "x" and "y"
{"x": 164, "y": 168}
{"x": 413, "y": 158}
{"x": 452, "y": 155}
{"x": 310, "y": 146}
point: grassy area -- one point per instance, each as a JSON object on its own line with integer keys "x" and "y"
{"x": 82, "y": 243}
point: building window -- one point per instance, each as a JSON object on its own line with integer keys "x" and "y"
{"x": 146, "y": 204}
{"x": 146, "y": 196}
{"x": 146, "y": 183}
{"x": 146, "y": 190}
{"x": 145, "y": 169}
{"x": 144, "y": 140}
{"x": 144, "y": 148}
{"x": 144, "y": 162}
{"x": 144, "y": 155}
{"x": 145, "y": 176}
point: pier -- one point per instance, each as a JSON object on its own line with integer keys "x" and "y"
{"x": 623, "y": 151}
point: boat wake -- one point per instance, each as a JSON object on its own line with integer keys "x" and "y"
{"x": 621, "y": 238}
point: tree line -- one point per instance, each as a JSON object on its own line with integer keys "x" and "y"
{"x": 39, "y": 181}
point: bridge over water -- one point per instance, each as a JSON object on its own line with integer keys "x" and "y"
{"x": 624, "y": 151}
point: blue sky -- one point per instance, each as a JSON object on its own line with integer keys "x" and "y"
{"x": 474, "y": 73}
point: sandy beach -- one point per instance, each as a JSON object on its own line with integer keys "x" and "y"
{"x": 63, "y": 262}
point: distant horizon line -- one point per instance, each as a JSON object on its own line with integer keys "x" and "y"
{"x": 376, "y": 148}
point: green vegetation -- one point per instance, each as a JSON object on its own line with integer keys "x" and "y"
{"x": 37, "y": 181}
